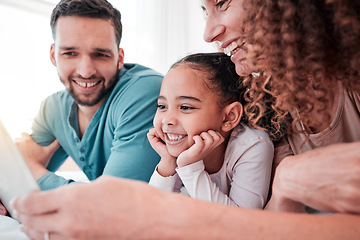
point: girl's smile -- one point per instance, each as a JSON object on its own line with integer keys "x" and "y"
{"x": 171, "y": 138}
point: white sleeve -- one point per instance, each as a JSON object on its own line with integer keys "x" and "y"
{"x": 252, "y": 173}
{"x": 169, "y": 184}
{"x": 199, "y": 185}
{"x": 249, "y": 184}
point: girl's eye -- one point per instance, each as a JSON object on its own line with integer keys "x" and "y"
{"x": 186, "y": 108}
{"x": 161, "y": 107}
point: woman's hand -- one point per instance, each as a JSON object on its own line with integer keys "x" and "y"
{"x": 204, "y": 144}
{"x": 167, "y": 164}
{"x": 326, "y": 179}
{"x": 107, "y": 208}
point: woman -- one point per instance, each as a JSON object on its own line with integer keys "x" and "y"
{"x": 297, "y": 49}
{"x": 306, "y": 55}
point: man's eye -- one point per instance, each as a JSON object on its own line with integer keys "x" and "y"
{"x": 69, "y": 53}
{"x": 102, "y": 55}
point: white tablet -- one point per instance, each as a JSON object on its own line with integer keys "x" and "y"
{"x": 15, "y": 176}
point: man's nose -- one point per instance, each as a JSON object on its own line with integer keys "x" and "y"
{"x": 86, "y": 67}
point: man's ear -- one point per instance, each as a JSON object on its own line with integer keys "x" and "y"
{"x": 232, "y": 116}
{"x": 52, "y": 54}
{"x": 121, "y": 58}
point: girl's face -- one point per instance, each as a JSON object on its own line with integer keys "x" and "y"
{"x": 224, "y": 21}
{"x": 186, "y": 107}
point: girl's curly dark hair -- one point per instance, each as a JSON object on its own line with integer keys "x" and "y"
{"x": 301, "y": 48}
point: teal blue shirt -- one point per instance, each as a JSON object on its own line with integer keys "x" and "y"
{"x": 115, "y": 141}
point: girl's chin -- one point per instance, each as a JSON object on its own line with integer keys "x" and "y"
{"x": 175, "y": 155}
{"x": 175, "y": 152}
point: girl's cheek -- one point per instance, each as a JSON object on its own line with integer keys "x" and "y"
{"x": 157, "y": 122}
{"x": 157, "y": 126}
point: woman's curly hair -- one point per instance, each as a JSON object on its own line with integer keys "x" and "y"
{"x": 301, "y": 48}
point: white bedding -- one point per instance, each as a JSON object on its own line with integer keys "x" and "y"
{"x": 10, "y": 229}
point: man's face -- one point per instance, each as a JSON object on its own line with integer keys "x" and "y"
{"x": 87, "y": 57}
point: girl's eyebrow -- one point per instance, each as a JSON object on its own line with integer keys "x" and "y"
{"x": 181, "y": 98}
{"x": 189, "y": 98}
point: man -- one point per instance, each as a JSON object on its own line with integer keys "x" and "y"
{"x": 102, "y": 118}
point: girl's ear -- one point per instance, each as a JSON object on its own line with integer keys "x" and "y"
{"x": 232, "y": 116}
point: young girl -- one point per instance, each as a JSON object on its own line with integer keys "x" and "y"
{"x": 201, "y": 140}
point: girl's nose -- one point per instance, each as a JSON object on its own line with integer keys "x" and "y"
{"x": 169, "y": 119}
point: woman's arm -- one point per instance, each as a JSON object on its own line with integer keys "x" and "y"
{"x": 113, "y": 208}
{"x": 326, "y": 179}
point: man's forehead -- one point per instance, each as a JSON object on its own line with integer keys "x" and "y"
{"x": 85, "y": 33}
{"x": 84, "y": 25}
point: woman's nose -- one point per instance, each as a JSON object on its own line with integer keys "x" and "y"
{"x": 212, "y": 30}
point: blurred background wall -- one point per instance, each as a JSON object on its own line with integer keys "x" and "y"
{"x": 156, "y": 33}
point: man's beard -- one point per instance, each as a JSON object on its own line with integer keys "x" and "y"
{"x": 104, "y": 91}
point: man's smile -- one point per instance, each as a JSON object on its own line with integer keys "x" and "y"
{"x": 86, "y": 84}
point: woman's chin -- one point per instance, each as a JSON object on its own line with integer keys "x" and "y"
{"x": 242, "y": 70}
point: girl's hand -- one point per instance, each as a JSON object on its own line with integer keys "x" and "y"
{"x": 167, "y": 164}
{"x": 205, "y": 143}
{"x": 158, "y": 144}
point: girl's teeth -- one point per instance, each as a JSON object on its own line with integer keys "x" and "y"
{"x": 173, "y": 137}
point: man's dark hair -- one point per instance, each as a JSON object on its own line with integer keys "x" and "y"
{"x": 101, "y": 9}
